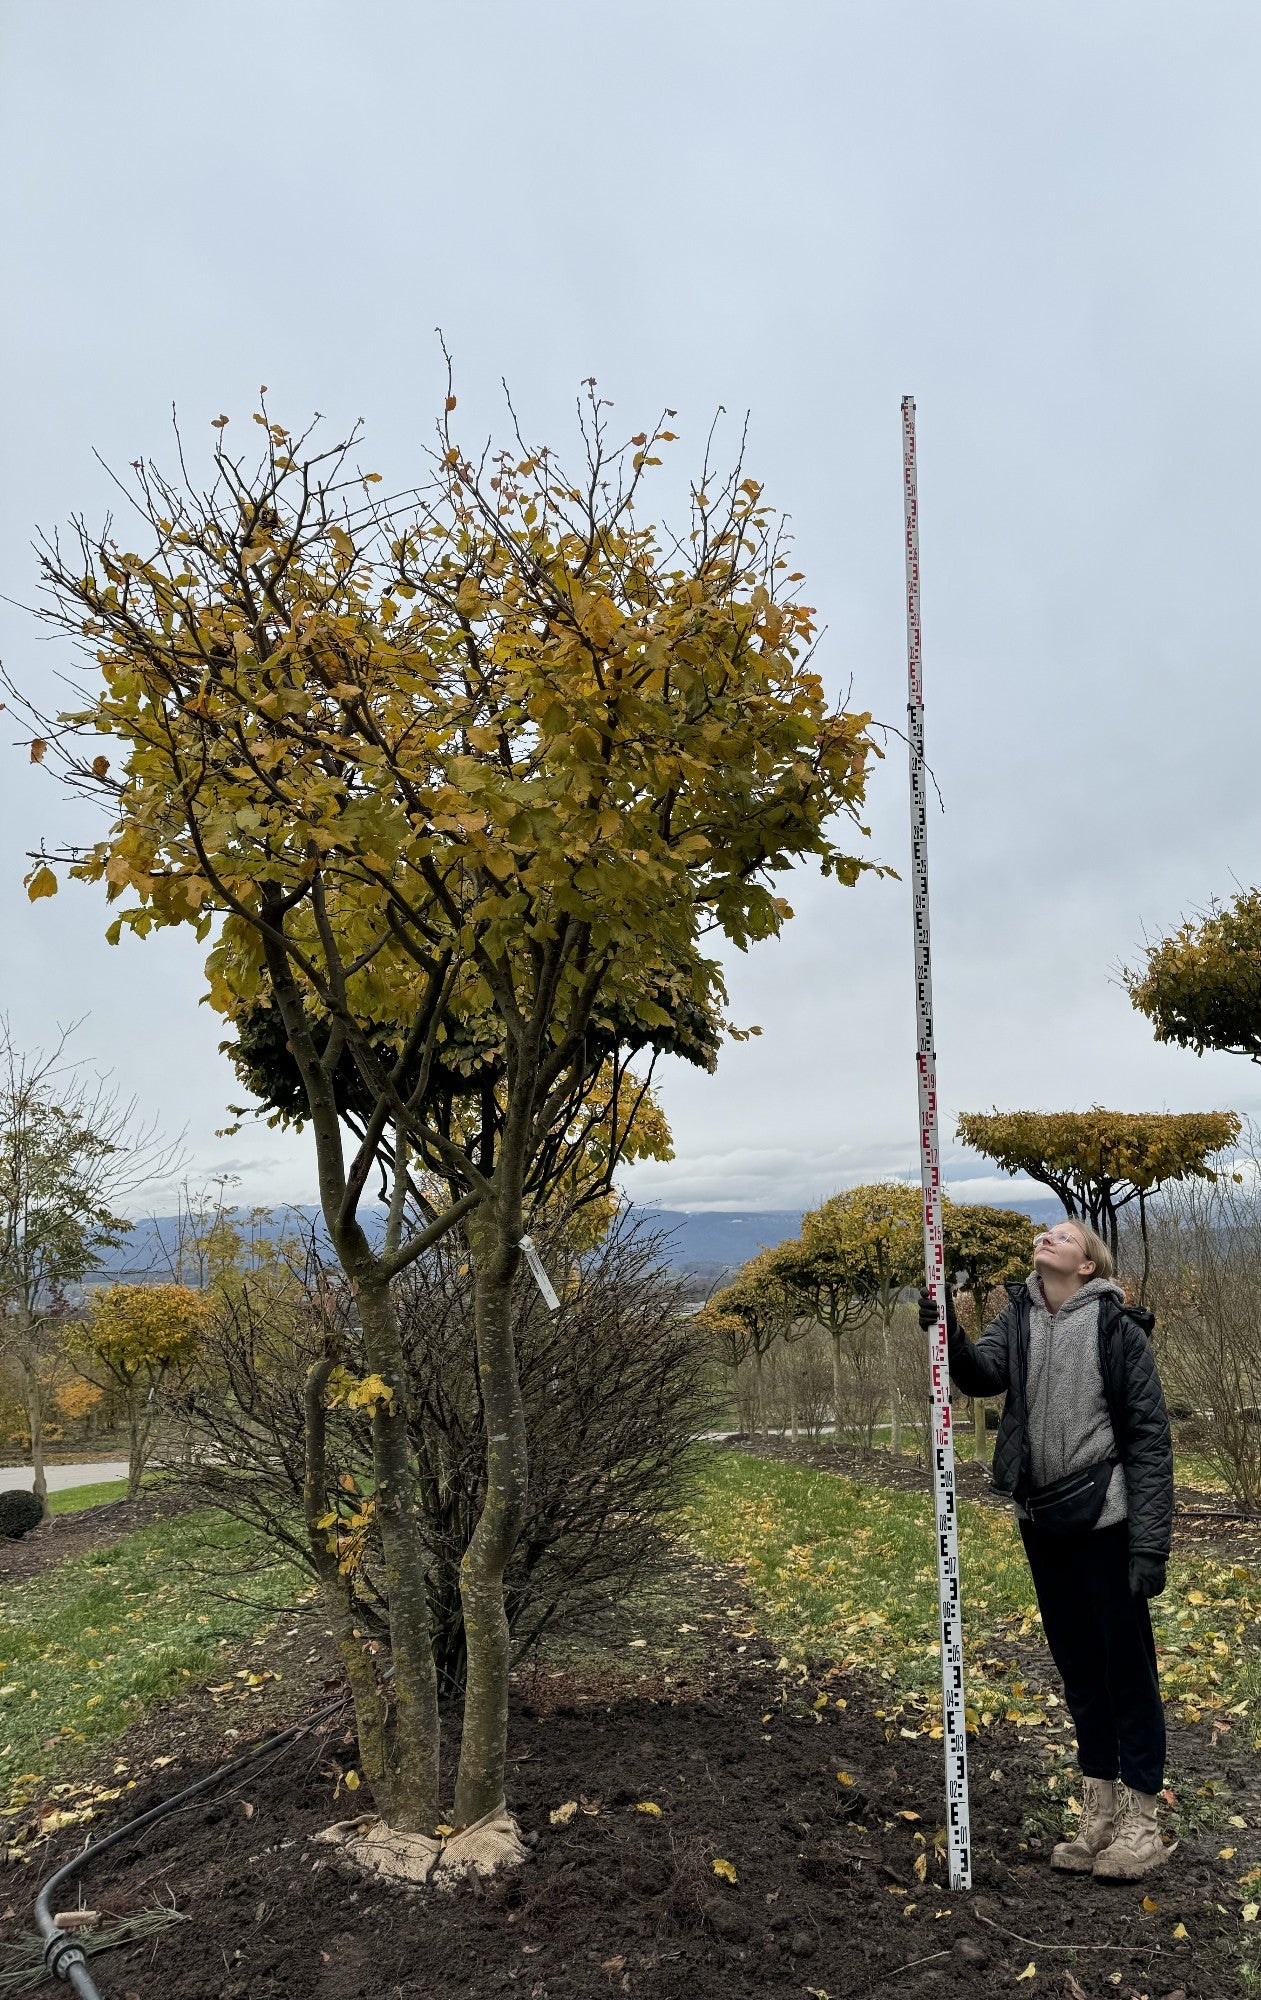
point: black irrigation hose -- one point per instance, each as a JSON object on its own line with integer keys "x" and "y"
{"x": 65, "y": 1958}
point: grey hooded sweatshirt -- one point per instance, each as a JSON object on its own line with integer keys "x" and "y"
{"x": 1069, "y": 1425}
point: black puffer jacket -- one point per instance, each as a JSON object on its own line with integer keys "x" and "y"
{"x": 999, "y": 1362}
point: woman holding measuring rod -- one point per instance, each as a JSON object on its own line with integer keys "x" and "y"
{"x": 1084, "y": 1452}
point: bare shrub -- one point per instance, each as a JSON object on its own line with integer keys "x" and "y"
{"x": 1205, "y": 1248}
{"x": 862, "y": 1383}
{"x": 614, "y": 1386}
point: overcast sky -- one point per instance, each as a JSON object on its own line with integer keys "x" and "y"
{"x": 1040, "y": 219}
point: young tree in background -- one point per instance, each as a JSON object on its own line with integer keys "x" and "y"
{"x": 70, "y": 1151}
{"x": 763, "y": 1307}
{"x": 138, "y": 1334}
{"x": 989, "y": 1246}
{"x": 855, "y": 1255}
{"x": 1201, "y": 985}
{"x": 1099, "y": 1161}
{"x": 459, "y": 782}
{"x": 828, "y": 1286}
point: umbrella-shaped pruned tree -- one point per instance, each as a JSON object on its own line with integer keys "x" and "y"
{"x": 460, "y": 781}
{"x": 1201, "y": 985}
{"x": 854, "y": 1257}
{"x": 1098, "y": 1161}
{"x": 138, "y": 1334}
{"x": 986, "y": 1247}
{"x": 750, "y": 1314}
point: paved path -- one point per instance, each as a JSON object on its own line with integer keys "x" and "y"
{"x": 61, "y": 1476}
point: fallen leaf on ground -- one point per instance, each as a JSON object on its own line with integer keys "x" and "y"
{"x": 650, "y": 1807}
{"x": 561, "y": 1815}
{"x": 726, "y": 1869}
{"x": 1075, "y": 1992}
{"x": 1030, "y": 1972}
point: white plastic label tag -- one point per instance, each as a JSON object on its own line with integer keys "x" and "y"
{"x": 541, "y": 1278}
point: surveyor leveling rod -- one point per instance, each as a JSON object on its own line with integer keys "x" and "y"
{"x": 954, "y": 1718}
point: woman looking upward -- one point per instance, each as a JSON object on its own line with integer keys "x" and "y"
{"x": 1085, "y": 1454}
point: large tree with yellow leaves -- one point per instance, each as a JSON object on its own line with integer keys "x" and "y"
{"x": 459, "y": 782}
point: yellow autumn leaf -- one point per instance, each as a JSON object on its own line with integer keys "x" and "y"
{"x": 561, "y": 1815}
{"x": 843, "y": 1778}
{"x": 42, "y": 882}
{"x": 921, "y": 1867}
{"x": 1250, "y": 1912}
{"x": 1180, "y": 1930}
{"x": 1150, "y": 1903}
{"x": 650, "y": 1807}
{"x": 1196, "y": 1597}
{"x": 726, "y": 1869}
{"x": 1029, "y": 1972}
{"x": 351, "y": 1781}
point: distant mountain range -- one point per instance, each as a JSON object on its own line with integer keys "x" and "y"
{"x": 698, "y": 1242}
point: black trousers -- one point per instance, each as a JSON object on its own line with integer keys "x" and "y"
{"x": 1101, "y": 1640}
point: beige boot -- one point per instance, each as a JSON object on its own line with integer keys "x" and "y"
{"x": 1095, "y": 1828}
{"x": 1136, "y": 1847}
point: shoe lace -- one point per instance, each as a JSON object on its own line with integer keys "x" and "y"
{"x": 1092, "y": 1812}
{"x": 1129, "y": 1818}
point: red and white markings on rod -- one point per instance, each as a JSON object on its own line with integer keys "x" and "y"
{"x": 954, "y": 1718}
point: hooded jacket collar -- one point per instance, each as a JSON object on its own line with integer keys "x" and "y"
{"x": 1095, "y": 1289}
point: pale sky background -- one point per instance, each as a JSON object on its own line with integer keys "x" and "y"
{"x": 1040, "y": 217}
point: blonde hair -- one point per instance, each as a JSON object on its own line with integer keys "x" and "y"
{"x": 1094, "y": 1248}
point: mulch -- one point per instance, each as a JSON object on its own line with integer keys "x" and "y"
{"x": 726, "y": 1741}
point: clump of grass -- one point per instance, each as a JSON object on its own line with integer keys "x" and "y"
{"x": 848, "y": 1569}
{"x": 73, "y": 1498}
{"x": 90, "y": 1644}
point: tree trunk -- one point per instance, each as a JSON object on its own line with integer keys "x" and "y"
{"x": 792, "y": 1391}
{"x": 35, "y": 1420}
{"x": 1147, "y": 1248}
{"x": 981, "y": 1447}
{"x": 836, "y": 1381}
{"x": 411, "y": 1803}
{"x": 479, "y": 1788}
{"x": 891, "y": 1381}
{"x": 135, "y": 1449}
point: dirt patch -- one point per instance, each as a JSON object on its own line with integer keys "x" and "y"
{"x": 742, "y": 1766}
{"x": 74, "y": 1534}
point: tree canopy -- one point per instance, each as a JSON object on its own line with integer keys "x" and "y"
{"x": 1201, "y": 985}
{"x": 988, "y": 1245}
{"x": 1099, "y": 1161}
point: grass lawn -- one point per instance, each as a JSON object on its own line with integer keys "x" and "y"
{"x": 89, "y": 1644}
{"x": 72, "y": 1498}
{"x": 849, "y": 1570}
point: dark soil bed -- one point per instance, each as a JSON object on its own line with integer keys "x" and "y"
{"x": 743, "y": 1768}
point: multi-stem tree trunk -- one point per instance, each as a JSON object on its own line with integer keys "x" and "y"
{"x": 837, "y": 1380}
{"x": 479, "y": 1789}
{"x": 414, "y": 1740}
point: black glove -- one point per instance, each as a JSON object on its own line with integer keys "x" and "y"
{"x": 928, "y": 1312}
{"x": 1147, "y": 1574}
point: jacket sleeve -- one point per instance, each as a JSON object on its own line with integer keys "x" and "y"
{"x": 981, "y": 1367}
{"x": 1148, "y": 1448}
